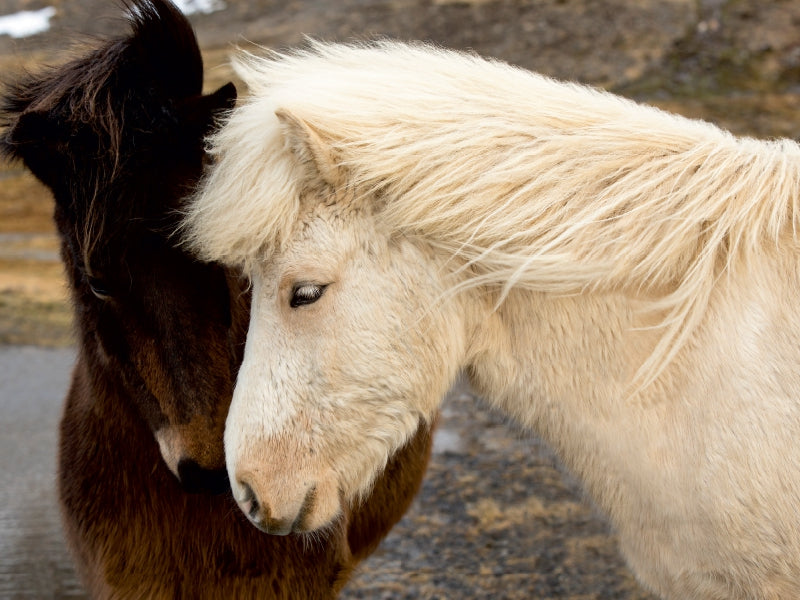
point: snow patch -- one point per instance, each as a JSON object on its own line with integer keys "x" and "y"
{"x": 189, "y": 7}
{"x": 27, "y": 22}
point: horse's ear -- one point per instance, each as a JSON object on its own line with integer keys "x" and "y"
{"x": 201, "y": 112}
{"x": 223, "y": 99}
{"x": 310, "y": 149}
{"x": 163, "y": 50}
{"x": 34, "y": 138}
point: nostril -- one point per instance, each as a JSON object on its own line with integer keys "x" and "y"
{"x": 259, "y": 514}
{"x": 249, "y": 502}
{"x": 196, "y": 479}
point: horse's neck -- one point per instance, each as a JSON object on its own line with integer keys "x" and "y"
{"x": 544, "y": 347}
{"x": 566, "y": 368}
{"x": 563, "y": 367}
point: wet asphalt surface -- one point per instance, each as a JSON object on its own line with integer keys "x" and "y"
{"x": 496, "y": 517}
{"x": 33, "y": 560}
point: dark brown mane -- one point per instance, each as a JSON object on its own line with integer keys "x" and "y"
{"x": 77, "y": 113}
{"x": 98, "y": 89}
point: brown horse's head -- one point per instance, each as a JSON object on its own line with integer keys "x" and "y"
{"x": 118, "y": 138}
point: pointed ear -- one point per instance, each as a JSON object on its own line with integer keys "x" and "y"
{"x": 35, "y": 139}
{"x": 26, "y": 132}
{"x": 223, "y": 99}
{"x": 200, "y": 112}
{"x": 309, "y": 148}
{"x": 162, "y": 50}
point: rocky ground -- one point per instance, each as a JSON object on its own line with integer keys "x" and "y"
{"x": 496, "y": 517}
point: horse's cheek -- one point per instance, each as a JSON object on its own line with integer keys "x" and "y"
{"x": 429, "y": 333}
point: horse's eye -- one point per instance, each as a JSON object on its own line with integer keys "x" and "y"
{"x": 99, "y": 288}
{"x": 306, "y": 293}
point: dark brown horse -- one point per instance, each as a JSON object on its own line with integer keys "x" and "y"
{"x": 118, "y": 137}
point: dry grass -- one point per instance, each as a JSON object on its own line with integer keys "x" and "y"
{"x": 25, "y": 321}
{"x": 33, "y": 299}
{"x": 25, "y": 204}
{"x": 218, "y": 71}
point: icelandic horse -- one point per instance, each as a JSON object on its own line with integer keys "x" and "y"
{"x": 117, "y": 136}
{"x": 622, "y": 281}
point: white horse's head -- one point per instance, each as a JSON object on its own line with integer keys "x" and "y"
{"x": 361, "y": 187}
{"x": 350, "y": 346}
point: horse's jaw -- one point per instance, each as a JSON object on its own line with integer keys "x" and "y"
{"x": 295, "y": 482}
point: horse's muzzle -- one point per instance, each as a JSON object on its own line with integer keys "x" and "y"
{"x": 260, "y": 515}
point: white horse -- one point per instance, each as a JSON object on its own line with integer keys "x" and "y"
{"x": 622, "y": 281}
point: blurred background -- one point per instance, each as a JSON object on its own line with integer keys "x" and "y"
{"x": 497, "y": 517}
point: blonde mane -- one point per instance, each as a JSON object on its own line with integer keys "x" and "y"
{"x": 530, "y": 182}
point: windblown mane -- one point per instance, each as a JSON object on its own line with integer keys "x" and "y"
{"x": 79, "y": 110}
{"x": 530, "y": 182}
